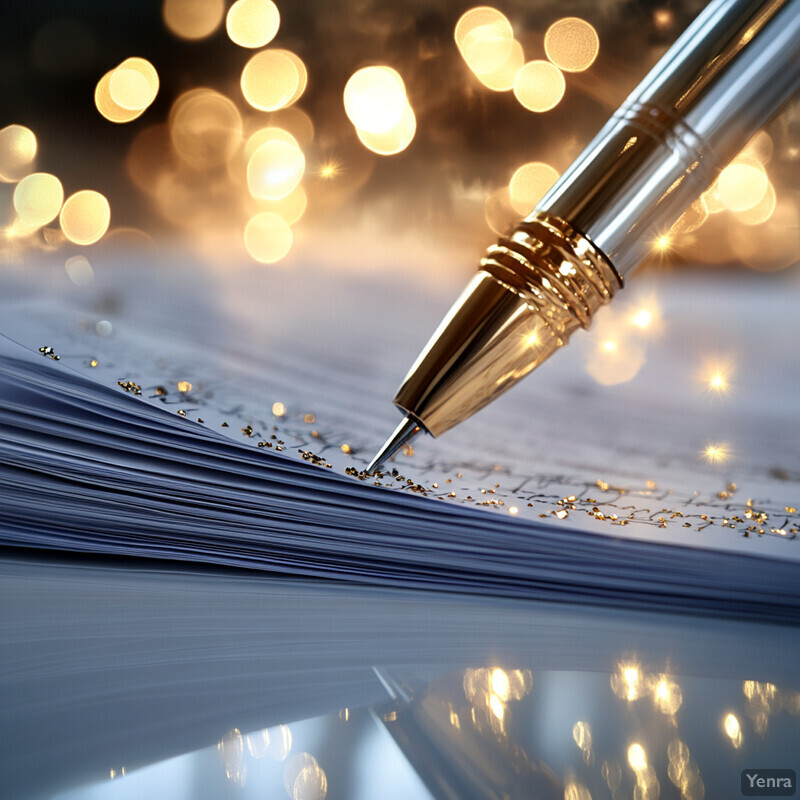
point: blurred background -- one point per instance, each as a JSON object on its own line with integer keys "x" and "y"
{"x": 263, "y": 132}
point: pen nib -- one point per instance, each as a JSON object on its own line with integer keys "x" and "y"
{"x": 405, "y": 430}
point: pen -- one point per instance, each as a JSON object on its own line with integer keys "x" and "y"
{"x": 729, "y": 72}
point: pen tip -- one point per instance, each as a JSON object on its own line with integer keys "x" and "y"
{"x": 405, "y": 430}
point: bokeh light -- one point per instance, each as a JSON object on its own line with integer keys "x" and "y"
{"x": 19, "y": 229}
{"x": 205, "y": 128}
{"x": 715, "y": 375}
{"x": 498, "y": 211}
{"x": 252, "y": 23}
{"x": 193, "y": 19}
{"x": 375, "y": 99}
{"x": 38, "y": 198}
{"x": 716, "y": 452}
{"x": 150, "y": 154}
{"x": 291, "y": 208}
{"x": 539, "y": 86}
{"x": 295, "y": 121}
{"x": 615, "y": 350}
{"x": 759, "y": 147}
{"x": 280, "y": 744}
{"x": 17, "y": 152}
{"x": 572, "y": 44}
{"x": 303, "y": 778}
{"x": 393, "y": 141}
{"x": 267, "y": 237}
{"x": 79, "y": 270}
{"x": 529, "y": 184}
{"x": 273, "y": 79}
{"x": 646, "y": 316}
{"x": 258, "y": 743}
{"x": 108, "y": 107}
{"x": 637, "y": 758}
{"x": 761, "y": 211}
{"x": 778, "y": 241}
{"x": 742, "y": 185}
{"x": 269, "y": 134}
{"x": 733, "y": 729}
{"x": 133, "y": 85}
{"x": 662, "y": 243}
{"x": 481, "y": 17}
{"x": 502, "y": 78}
{"x": 275, "y": 169}
{"x": 667, "y": 696}
{"x": 85, "y": 217}
{"x": 484, "y": 38}
{"x": 576, "y": 791}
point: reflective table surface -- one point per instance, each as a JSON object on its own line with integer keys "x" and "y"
{"x": 122, "y": 679}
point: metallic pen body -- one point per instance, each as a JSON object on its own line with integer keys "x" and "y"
{"x": 711, "y": 92}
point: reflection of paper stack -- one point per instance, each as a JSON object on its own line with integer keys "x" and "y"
{"x": 156, "y": 441}
{"x": 126, "y": 662}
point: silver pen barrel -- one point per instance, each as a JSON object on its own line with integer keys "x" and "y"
{"x": 730, "y": 71}
{"x": 720, "y": 82}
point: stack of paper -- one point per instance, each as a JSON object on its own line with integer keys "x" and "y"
{"x": 230, "y": 427}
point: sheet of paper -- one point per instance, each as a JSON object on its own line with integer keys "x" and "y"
{"x": 200, "y": 369}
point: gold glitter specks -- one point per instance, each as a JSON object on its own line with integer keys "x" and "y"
{"x": 247, "y": 430}
{"x": 94, "y": 362}
{"x": 184, "y": 387}
{"x": 310, "y": 419}
{"x": 307, "y": 455}
{"x": 130, "y": 386}
{"x": 48, "y": 352}
{"x": 345, "y": 448}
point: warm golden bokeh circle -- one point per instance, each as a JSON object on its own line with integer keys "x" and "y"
{"x": 205, "y": 128}
{"x": 17, "y": 152}
{"x": 267, "y": 237}
{"x": 275, "y": 169}
{"x": 134, "y": 84}
{"x": 79, "y": 270}
{"x": 273, "y": 79}
{"x": 481, "y": 17}
{"x": 270, "y": 134}
{"x": 742, "y": 185}
{"x": 108, "y": 107}
{"x": 193, "y": 19}
{"x": 498, "y": 211}
{"x": 252, "y": 23}
{"x": 85, "y": 217}
{"x": 572, "y": 44}
{"x": 539, "y": 86}
{"x": 375, "y": 99}
{"x": 502, "y": 78}
{"x": 291, "y": 208}
{"x": 529, "y": 184}
{"x": 486, "y": 48}
{"x": 761, "y": 211}
{"x": 393, "y": 141}
{"x": 38, "y": 198}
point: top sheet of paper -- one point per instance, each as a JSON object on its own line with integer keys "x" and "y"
{"x": 626, "y": 460}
